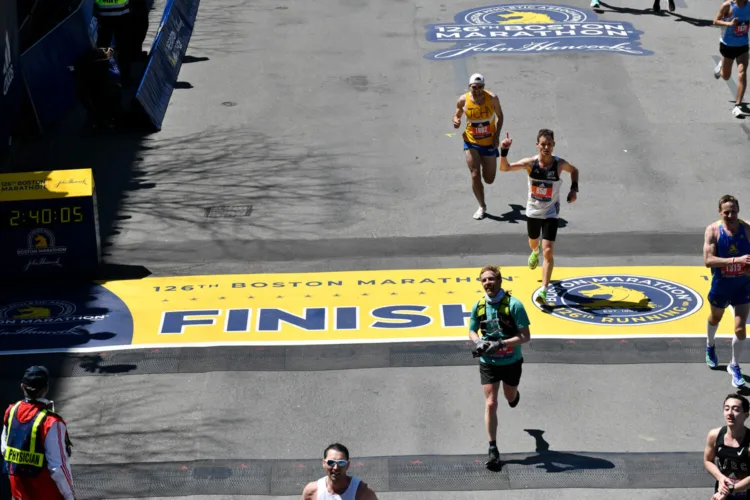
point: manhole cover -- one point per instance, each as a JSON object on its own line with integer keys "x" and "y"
{"x": 229, "y": 104}
{"x": 229, "y": 212}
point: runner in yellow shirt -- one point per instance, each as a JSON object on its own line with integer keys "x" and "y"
{"x": 484, "y": 120}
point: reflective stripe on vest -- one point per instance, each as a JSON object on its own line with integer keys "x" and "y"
{"x": 112, "y": 7}
{"x": 23, "y": 457}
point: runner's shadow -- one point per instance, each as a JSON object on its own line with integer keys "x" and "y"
{"x": 627, "y": 10}
{"x": 93, "y": 364}
{"x": 516, "y": 215}
{"x": 559, "y": 461}
{"x": 692, "y": 20}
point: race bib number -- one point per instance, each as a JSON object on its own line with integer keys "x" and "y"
{"x": 505, "y": 352}
{"x": 541, "y": 191}
{"x": 734, "y": 269}
{"x": 480, "y": 130}
{"x": 741, "y": 28}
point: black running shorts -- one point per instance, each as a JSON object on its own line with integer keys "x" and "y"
{"x": 546, "y": 227}
{"x": 510, "y": 375}
{"x": 731, "y": 52}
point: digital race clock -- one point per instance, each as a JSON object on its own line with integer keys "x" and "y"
{"x": 48, "y": 223}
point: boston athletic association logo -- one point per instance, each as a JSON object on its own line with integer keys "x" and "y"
{"x": 616, "y": 299}
{"x": 532, "y": 28}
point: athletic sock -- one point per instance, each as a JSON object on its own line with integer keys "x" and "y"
{"x": 736, "y": 350}
{"x": 711, "y": 329}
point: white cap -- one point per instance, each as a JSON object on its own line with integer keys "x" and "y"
{"x": 476, "y": 78}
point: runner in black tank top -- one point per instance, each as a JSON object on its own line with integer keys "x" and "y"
{"x": 727, "y": 454}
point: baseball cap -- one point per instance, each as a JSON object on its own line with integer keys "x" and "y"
{"x": 476, "y": 78}
{"x": 35, "y": 377}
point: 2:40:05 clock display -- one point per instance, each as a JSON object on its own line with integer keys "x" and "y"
{"x": 42, "y": 216}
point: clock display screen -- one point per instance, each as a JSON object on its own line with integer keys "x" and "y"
{"x": 37, "y": 217}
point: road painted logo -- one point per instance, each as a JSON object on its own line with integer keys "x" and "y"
{"x": 532, "y": 28}
{"x": 63, "y": 317}
{"x": 620, "y": 300}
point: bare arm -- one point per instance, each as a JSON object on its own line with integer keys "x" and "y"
{"x": 709, "y": 455}
{"x": 310, "y": 492}
{"x": 723, "y": 13}
{"x": 524, "y": 164}
{"x": 523, "y": 337}
{"x": 709, "y": 250}
{"x": 573, "y": 171}
{"x": 460, "y": 104}
{"x": 500, "y": 119}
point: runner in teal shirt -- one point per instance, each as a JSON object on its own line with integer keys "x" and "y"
{"x": 504, "y": 327}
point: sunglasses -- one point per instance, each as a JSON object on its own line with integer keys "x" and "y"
{"x": 477, "y": 86}
{"x": 340, "y": 463}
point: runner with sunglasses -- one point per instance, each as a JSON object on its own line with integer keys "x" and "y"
{"x": 484, "y": 119}
{"x": 336, "y": 484}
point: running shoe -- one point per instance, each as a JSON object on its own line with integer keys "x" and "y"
{"x": 671, "y": 6}
{"x": 479, "y": 214}
{"x": 595, "y": 3}
{"x": 738, "y": 111}
{"x": 737, "y": 379}
{"x": 542, "y": 298}
{"x": 717, "y": 71}
{"x": 711, "y": 359}
{"x": 534, "y": 259}
{"x": 494, "y": 456}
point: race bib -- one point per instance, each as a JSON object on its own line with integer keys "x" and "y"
{"x": 734, "y": 269}
{"x": 741, "y": 28}
{"x": 541, "y": 191}
{"x": 505, "y": 352}
{"x": 480, "y": 130}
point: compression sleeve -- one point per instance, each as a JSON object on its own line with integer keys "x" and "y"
{"x": 57, "y": 459}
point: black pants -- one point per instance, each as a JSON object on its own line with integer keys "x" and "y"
{"x": 121, "y": 28}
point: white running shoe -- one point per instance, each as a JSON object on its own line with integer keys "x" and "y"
{"x": 738, "y": 111}
{"x": 479, "y": 214}
{"x": 717, "y": 71}
{"x": 595, "y": 3}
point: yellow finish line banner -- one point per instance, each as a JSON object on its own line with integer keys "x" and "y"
{"x": 392, "y": 306}
{"x": 45, "y": 185}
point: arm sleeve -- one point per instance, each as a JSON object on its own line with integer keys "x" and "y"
{"x": 57, "y": 459}
{"x": 474, "y": 321}
{"x": 519, "y": 313}
{"x": 4, "y": 439}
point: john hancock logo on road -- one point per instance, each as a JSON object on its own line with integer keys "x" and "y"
{"x": 620, "y": 300}
{"x": 532, "y": 28}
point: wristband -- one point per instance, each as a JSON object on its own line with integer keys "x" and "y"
{"x": 504, "y": 152}
{"x": 574, "y": 186}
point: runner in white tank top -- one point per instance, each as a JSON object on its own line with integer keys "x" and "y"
{"x": 543, "y": 206}
{"x": 349, "y": 494}
{"x": 336, "y": 484}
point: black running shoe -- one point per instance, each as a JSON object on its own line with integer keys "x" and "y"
{"x": 671, "y": 6}
{"x": 514, "y": 403}
{"x": 657, "y": 5}
{"x": 494, "y": 455}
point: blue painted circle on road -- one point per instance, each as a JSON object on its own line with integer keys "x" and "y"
{"x": 62, "y": 316}
{"x": 620, "y": 300}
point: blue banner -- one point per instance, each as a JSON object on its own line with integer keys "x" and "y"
{"x": 10, "y": 99}
{"x": 165, "y": 58}
{"x": 46, "y": 65}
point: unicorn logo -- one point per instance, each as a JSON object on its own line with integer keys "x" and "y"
{"x": 516, "y": 17}
{"x": 32, "y": 312}
{"x": 616, "y": 297}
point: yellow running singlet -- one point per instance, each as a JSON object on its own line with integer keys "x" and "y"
{"x": 480, "y": 121}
